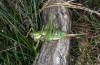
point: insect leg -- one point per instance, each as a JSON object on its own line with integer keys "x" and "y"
{"x": 29, "y": 31}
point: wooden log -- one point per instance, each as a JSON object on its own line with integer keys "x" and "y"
{"x": 57, "y": 52}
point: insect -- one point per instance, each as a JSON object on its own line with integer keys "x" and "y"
{"x": 48, "y": 34}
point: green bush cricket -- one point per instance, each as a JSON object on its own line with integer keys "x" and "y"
{"x": 48, "y": 34}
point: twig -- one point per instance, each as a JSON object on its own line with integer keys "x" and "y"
{"x": 15, "y": 46}
{"x": 8, "y": 49}
{"x": 44, "y": 5}
{"x": 70, "y": 4}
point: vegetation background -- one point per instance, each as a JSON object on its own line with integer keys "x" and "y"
{"x": 18, "y": 16}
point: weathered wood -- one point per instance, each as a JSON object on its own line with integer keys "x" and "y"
{"x": 57, "y": 52}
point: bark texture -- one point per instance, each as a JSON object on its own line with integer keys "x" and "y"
{"x": 57, "y": 52}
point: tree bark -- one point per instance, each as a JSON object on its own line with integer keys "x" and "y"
{"x": 57, "y": 52}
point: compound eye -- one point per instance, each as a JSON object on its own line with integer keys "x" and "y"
{"x": 41, "y": 37}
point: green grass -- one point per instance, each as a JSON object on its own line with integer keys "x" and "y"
{"x": 16, "y": 18}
